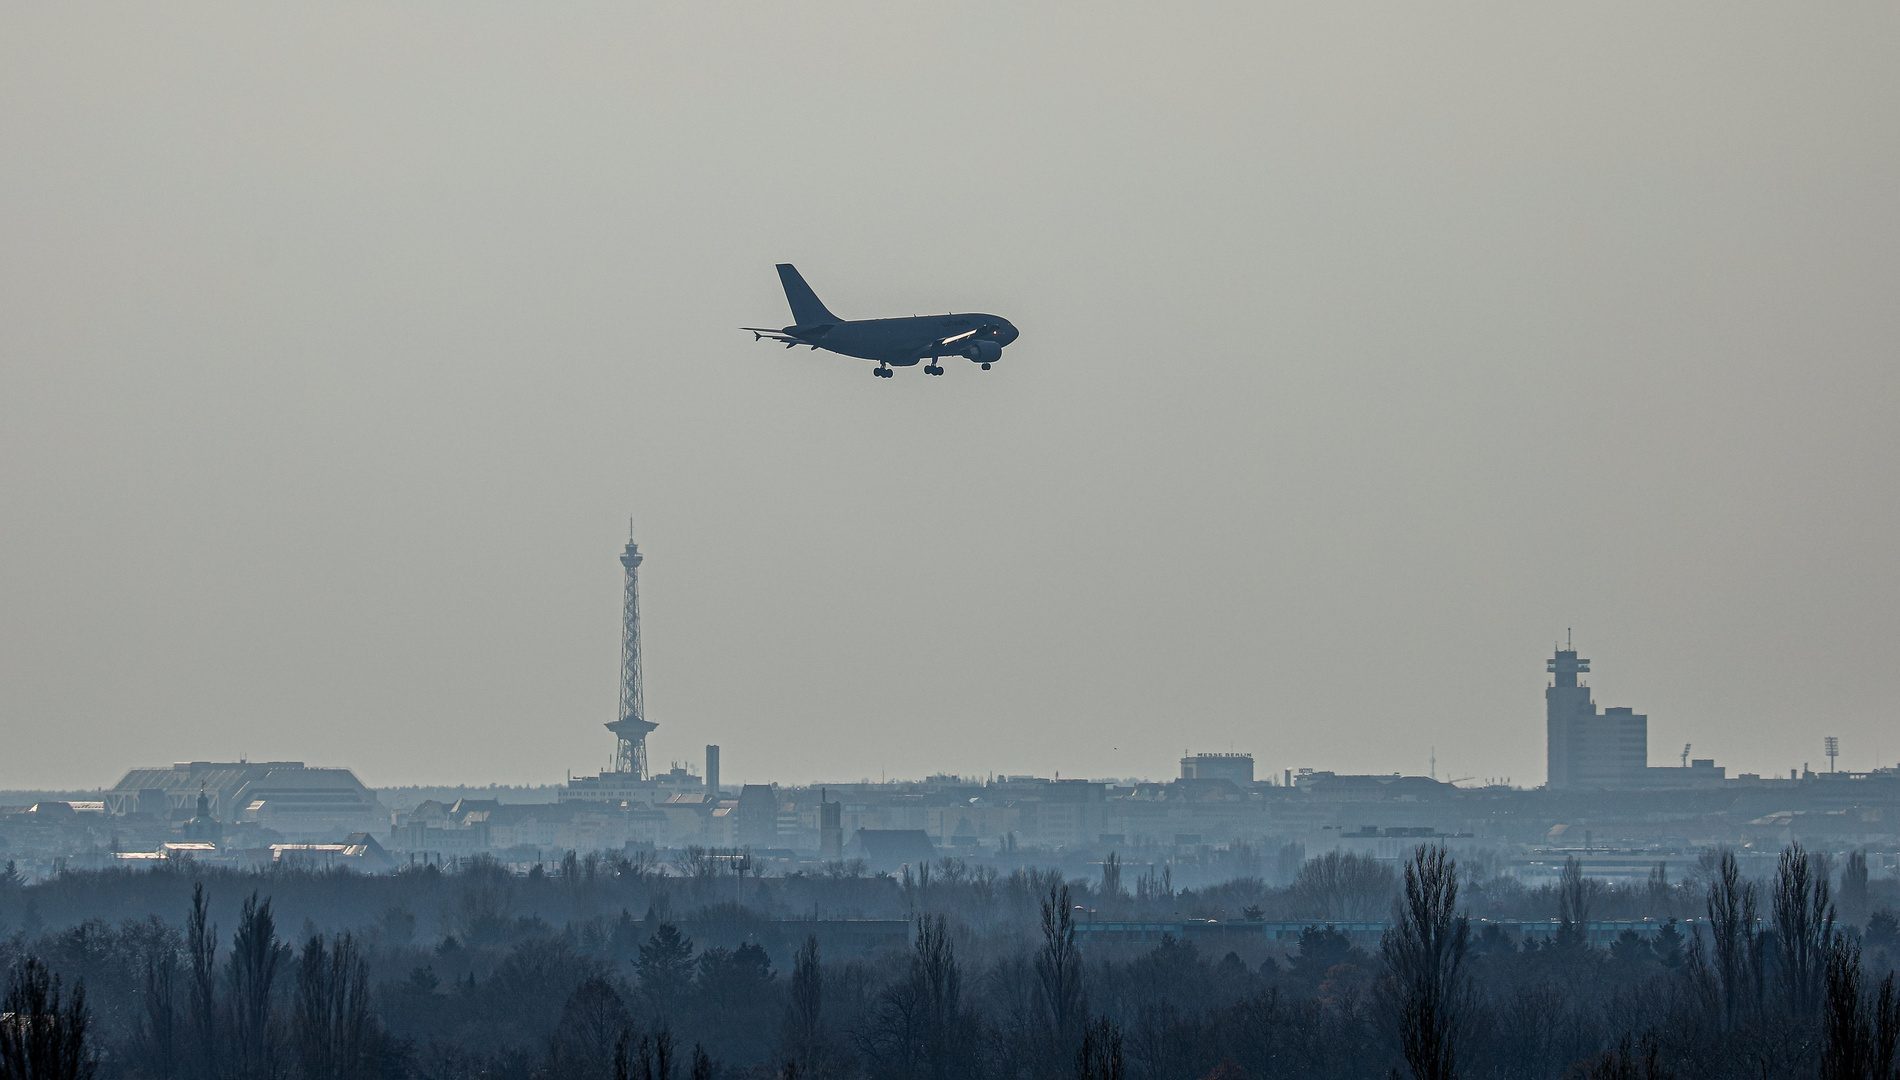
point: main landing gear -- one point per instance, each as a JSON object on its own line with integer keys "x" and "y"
{"x": 883, "y": 372}
{"x": 933, "y": 369}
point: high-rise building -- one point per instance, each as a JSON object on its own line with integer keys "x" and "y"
{"x": 1585, "y": 748}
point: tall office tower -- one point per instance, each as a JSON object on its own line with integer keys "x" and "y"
{"x": 1585, "y": 749}
{"x": 630, "y": 755}
{"x": 712, "y": 769}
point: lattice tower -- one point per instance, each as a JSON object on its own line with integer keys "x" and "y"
{"x": 630, "y": 755}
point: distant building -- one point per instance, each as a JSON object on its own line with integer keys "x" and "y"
{"x": 1587, "y": 749}
{"x": 358, "y": 850}
{"x": 1698, "y": 773}
{"x": 620, "y": 787}
{"x": 286, "y": 796}
{"x": 757, "y": 812}
{"x": 830, "y": 828}
{"x": 202, "y": 825}
{"x": 888, "y": 849}
{"x": 1237, "y": 768}
{"x": 1063, "y": 811}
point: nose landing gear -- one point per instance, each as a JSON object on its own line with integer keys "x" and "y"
{"x": 986, "y": 367}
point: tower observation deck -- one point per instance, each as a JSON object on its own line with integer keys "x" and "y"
{"x": 1588, "y": 748}
{"x": 630, "y": 754}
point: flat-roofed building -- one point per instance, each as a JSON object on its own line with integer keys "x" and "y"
{"x": 1237, "y": 768}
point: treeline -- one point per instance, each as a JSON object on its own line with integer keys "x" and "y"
{"x": 483, "y": 973}
{"x": 481, "y": 900}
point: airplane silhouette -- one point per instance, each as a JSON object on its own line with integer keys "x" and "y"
{"x": 890, "y": 342}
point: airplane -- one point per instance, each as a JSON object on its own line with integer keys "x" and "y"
{"x": 890, "y": 342}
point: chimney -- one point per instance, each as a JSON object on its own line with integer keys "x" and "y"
{"x": 830, "y": 828}
{"x": 712, "y": 770}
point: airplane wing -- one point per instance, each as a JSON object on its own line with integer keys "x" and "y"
{"x": 946, "y": 342}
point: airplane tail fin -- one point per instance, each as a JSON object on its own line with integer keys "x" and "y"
{"x": 807, "y": 309}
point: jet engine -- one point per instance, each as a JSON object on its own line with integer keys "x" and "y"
{"x": 984, "y": 352}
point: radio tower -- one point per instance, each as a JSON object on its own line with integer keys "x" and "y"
{"x": 630, "y": 756}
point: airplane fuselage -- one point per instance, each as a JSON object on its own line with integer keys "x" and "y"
{"x": 907, "y": 341}
{"x": 891, "y": 343}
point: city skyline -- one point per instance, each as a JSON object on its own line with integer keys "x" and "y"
{"x": 1569, "y": 672}
{"x": 629, "y": 685}
{"x": 1363, "y": 351}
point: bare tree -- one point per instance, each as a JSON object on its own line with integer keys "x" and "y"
{"x": 332, "y": 1032}
{"x": 1576, "y": 895}
{"x": 939, "y": 981}
{"x": 1343, "y": 887}
{"x": 593, "y": 1027}
{"x": 252, "y": 972}
{"x": 1150, "y": 886}
{"x": 1804, "y": 926}
{"x": 1100, "y": 1057}
{"x": 486, "y": 901}
{"x": 1886, "y": 1031}
{"x": 652, "y": 1059}
{"x": 201, "y": 952}
{"x": 1847, "y": 1036}
{"x": 1854, "y": 905}
{"x": 1661, "y": 895}
{"x": 1062, "y": 1007}
{"x": 1631, "y": 1059}
{"x": 158, "y": 972}
{"x": 803, "y": 1042}
{"x": 1424, "y": 952}
{"x": 1737, "y": 946}
{"x": 1859, "y": 1029}
{"x": 918, "y": 1029}
{"x": 41, "y": 1039}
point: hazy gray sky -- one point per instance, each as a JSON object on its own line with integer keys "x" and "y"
{"x": 1365, "y": 348}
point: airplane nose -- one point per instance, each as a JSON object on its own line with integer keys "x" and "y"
{"x": 1009, "y": 333}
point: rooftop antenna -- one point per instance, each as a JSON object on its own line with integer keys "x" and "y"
{"x": 1833, "y": 750}
{"x": 1434, "y": 772}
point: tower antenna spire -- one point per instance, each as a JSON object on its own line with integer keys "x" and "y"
{"x": 631, "y": 729}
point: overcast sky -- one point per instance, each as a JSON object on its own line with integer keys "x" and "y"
{"x": 1365, "y": 348}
